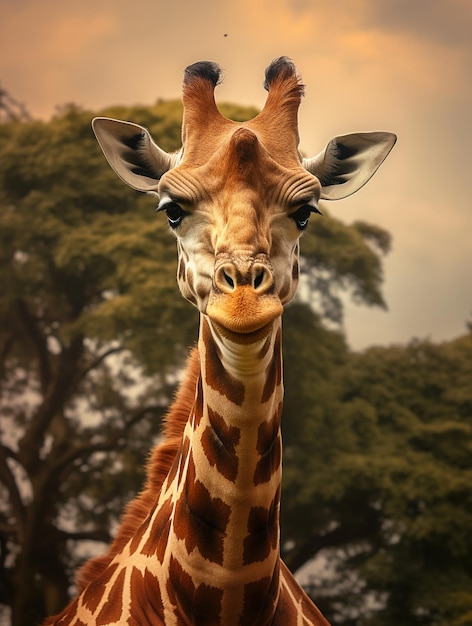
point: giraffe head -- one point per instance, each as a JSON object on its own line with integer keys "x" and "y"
{"x": 239, "y": 195}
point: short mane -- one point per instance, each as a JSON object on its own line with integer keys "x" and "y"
{"x": 159, "y": 464}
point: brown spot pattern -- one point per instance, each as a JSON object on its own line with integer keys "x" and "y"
{"x": 257, "y": 543}
{"x": 185, "y": 449}
{"x": 200, "y": 520}
{"x": 216, "y": 375}
{"x": 94, "y": 592}
{"x": 269, "y": 446}
{"x": 219, "y": 443}
{"x": 113, "y": 607}
{"x": 260, "y": 599}
{"x": 157, "y": 540}
{"x": 262, "y": 531}
{"x": 201, "y": 604}
{"x": 265, "y": 348}
{"x": 286, "y": 612}
{"x": 274, "y": 370}
{"x": 68, "y": 615}
{"x": 173, "y": 470}
{"x": 146, "y": 599}
{"x": 199, "y": 402}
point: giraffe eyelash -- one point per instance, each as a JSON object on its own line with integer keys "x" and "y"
{"x": 302, "y": 215}
{"x": 175, "y": 213}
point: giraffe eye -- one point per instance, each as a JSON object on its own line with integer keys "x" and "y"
{"x": 302, "y": 215}
{"x": 175, "y": 214}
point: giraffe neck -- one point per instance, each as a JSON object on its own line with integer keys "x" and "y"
{"x": 207, "y": 553}
{"x": 225, "y": 526}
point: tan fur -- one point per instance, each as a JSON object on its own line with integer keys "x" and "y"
{"x": 276, "y": 123}
{"x": 159, "y": 464}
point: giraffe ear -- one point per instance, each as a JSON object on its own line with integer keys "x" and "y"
{"x": 132, "y": 153}
{"x": 348, "y": 162}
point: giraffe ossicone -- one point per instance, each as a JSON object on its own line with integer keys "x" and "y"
{"x": 200, "y": 544}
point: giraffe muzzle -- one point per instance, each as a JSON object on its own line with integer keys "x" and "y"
{"x": 243, "y": 298}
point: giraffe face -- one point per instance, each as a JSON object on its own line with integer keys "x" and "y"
{"x": 238, "y": 195}
{"x": 237, "y": 219}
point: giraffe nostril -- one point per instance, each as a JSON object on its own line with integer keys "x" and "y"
{"x": 258, "y": 279}
{"x": 228, "y": 279}
{"x": 225, "y": 278}
{"x": 262, "y": 278}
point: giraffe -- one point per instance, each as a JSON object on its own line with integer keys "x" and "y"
{"x": 200, "y": 544}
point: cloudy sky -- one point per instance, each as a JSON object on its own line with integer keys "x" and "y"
{"x": 368, "y": 65}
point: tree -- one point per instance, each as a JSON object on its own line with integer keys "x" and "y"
{"x": 328, "y": 509}
{"x": 387, "y": 489}
{"x": 92, "y": 336}
{"x": 88, "y": 274}
{"x": 425, "y": 568}
{"x": 11, "y": 109}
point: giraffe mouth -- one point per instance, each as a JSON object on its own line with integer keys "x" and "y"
{"x": 246, "y": 338}
{"x": 243, "y": 316}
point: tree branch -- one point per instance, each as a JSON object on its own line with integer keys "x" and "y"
{"x": 6, "y": 347}
{"x": 8, "y": 479}
{"x": 95, "y": 363}
{"x": 58, "y": 392}
{"x": 339, "y": 536}
{"x": 39, "y": 341}
{"x": 138, "y": 415}
{"x": 84, "y": 451}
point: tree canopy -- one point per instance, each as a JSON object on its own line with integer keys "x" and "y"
{"x": 88, "y": 310}
{"x": 93, "y": 333}
{"x": 389, "y": 495}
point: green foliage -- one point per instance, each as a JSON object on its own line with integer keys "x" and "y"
{"x": 89, "y": 275}
{"x": 423, "y": 399}
{"x": 337, "y": 258}
{"x": 386, "y": 487}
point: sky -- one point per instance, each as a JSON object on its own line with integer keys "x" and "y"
{"x": 393, "y": 65}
